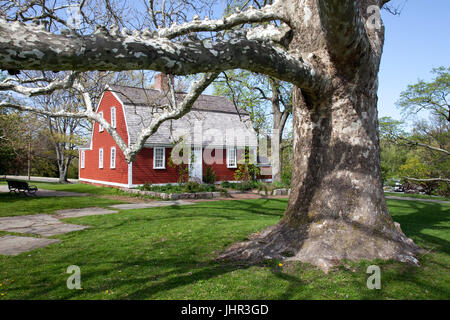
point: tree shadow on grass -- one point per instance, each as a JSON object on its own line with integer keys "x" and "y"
{"x": 415, "y": 217}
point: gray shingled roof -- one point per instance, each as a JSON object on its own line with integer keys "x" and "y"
{"x": 216, "y": 116}
{"x": 151, "y": 97}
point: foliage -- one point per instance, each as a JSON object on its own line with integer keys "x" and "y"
{"x": 210, "y": 176}
{"x": 182, "y": 169}
{"x": 432, "y": 96}
{"x": 188, "y": 187}
{"x": 238, "y": 87}
{"x": 422, "y": 152}
{"x": 247, "y": 170}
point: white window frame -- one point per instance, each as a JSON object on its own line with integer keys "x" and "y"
{"x": 100, "y": 158}
{"x": 83, "y": 159}
{"x": 235, "y": 158}
{"x": 112, "y": 161}
{"x": 163, "y": 159}
{"x": 100, "y": 127}
{"x": 113, "y": 118}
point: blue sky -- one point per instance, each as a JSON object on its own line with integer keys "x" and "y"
{"x": 416, "y": 41}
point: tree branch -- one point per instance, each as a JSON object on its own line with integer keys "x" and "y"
{"x": 24, "y": 46}
{"x": 181, "y": 110}
{"x": 427, "y": 146}
{"x": 65, "y": 83}
{"x": 429, "y": 180}
{"x": 251, "y": 15}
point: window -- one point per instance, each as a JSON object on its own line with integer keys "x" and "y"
{"x": 113, "y": 158}
{"x": 100, "y": 127}
{"x": 113, "y": 117}
{"x": 159, "y": 158}
{"x": 231, "y": 158}
{"x": 100, "y": 158}
{"x": 82, "y": 160}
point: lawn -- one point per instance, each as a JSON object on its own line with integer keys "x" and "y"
{"x": 76, "y": 187}
{"x": 169, "y": 253}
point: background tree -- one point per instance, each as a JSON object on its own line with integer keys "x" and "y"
{"x": 433, "y": 96}
{"x": 425, "y": 150}
{"x": 268, "y": 101}
{"x": 329, "y": 50}
{"x": 415, "y": 157}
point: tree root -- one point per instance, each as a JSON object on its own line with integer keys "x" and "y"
{"x": 324, "y": 245}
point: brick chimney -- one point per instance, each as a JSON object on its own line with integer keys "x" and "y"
{"x": 161, "y": 83}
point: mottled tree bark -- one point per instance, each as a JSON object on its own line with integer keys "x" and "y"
{"x": 337, "y": 209}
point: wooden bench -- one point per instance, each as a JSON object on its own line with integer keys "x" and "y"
{"x": 21, "y": 187}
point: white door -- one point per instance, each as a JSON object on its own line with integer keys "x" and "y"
{"x": 195, "y": 167}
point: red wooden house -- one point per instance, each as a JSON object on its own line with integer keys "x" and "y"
{"x": 215, "y": 132}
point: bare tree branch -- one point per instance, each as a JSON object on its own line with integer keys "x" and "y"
{"x": 428, "y": 180}
{"x": 65, "y": 83}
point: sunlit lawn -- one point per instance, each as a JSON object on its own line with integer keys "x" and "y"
{"x": 169, "y": 253}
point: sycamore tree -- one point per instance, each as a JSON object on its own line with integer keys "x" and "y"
{"x": 330, "y": 51}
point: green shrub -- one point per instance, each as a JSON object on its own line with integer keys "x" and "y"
{"x": 210, "y": 176}
{"x": 225, "y": 184}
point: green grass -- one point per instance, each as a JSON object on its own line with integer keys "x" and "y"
{"x": 17, "y": 205}
{"x": 169, "y": 253}
{"x": 76, "y": 187}
{"x": 416, "y": 196}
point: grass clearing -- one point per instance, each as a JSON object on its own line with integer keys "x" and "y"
{"x": 169, "y": 253}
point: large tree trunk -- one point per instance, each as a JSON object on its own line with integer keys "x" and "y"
{"x": 337, "y": 209}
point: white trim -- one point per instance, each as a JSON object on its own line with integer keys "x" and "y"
{"x": 82, "y": 159}
{"x": 116, "y": 184}
{"x": 112, "y": 164}
{"x": 113, "y": 123}
{"x": 108, "y": 88}
{"x": 100, "y": 127}
{"x": 154, "y": 158}
{"x": 101, "y": 159}
{"x": 235, "y": 158}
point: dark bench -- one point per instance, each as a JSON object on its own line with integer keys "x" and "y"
{"x": 21, "y": 187}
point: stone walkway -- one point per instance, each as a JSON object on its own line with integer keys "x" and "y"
{"x": 47, "y": 225}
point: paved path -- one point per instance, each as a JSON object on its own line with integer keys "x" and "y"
{"x": 417, "y": 199}
{"x": 49, "y": 225}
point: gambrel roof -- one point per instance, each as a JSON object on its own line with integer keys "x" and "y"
{"x": 215, "y": 116}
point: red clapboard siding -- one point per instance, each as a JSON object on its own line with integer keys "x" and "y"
{"x": 223, "y": 173}
{"x": 143, "y": 171}
{"x": 105, "y": 141}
